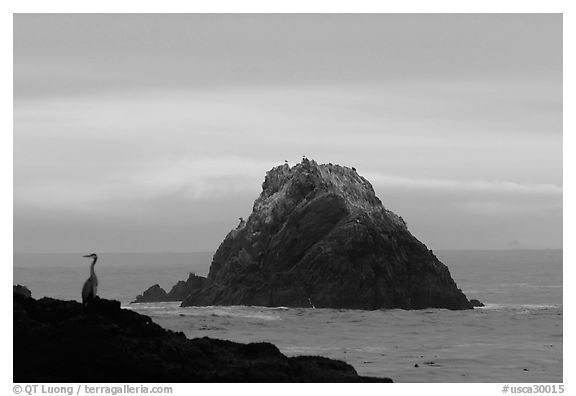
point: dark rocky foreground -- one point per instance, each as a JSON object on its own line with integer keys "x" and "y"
{"x": 61, "y": 341}
{"x": 318, "y": 236}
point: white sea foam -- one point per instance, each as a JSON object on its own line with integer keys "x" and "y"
{"x": 520, "y": 306}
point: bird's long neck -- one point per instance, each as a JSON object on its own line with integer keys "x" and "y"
{"x": 92, "y": 273}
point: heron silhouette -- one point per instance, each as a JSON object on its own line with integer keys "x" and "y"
{"x": 90, "y": 288}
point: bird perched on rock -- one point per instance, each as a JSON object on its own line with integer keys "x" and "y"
{"x": 90, "y": 288}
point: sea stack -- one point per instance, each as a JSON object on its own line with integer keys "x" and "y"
{"x": 318, "y": 236}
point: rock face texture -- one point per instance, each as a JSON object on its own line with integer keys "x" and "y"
{"x": 61, "y": 341}
{"x": 22, "y": 291}
{"x": 178, "y": 292}
{"x": 318, "y": 236}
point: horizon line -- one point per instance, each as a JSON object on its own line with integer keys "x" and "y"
{"x": 212, "y": 252}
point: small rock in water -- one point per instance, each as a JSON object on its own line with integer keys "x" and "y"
{"x": 416, "y": 365}
{"x": 476, "y": 303}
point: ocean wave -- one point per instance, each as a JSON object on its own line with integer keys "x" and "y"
{"x": 309, "y": 350}
{"x": 246, "y": 315}
{"x": 490, "y": 306}
{"x": 152, "y": 305}
{"x": 528, "y": 285}
{"x": 237, "y": 307}
{"x": 234, "y": 311}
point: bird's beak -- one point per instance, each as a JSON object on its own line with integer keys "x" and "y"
{"x": 86, "y": 255}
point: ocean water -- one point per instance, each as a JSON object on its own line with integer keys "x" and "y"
{"x": 517, "y": 337}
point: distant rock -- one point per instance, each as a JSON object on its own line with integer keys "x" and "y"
{"x": 179, "y": 291}
{"x": 476, "y": 303}
{"x": 319, "y": 237}
{"x": 61, "y": 341}
{"x": 182, "y": 289}
{"x": 152, "y": 294}
{"x": 22, "y": 291}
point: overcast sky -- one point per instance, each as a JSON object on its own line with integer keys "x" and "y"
{"x": 154, "y": 132}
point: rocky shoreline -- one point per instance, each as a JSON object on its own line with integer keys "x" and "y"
{"x": 62, "y": 341}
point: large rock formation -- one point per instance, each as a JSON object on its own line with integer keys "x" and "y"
{"x": 61, "y": 341}
{"x": 318, "y": 236}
